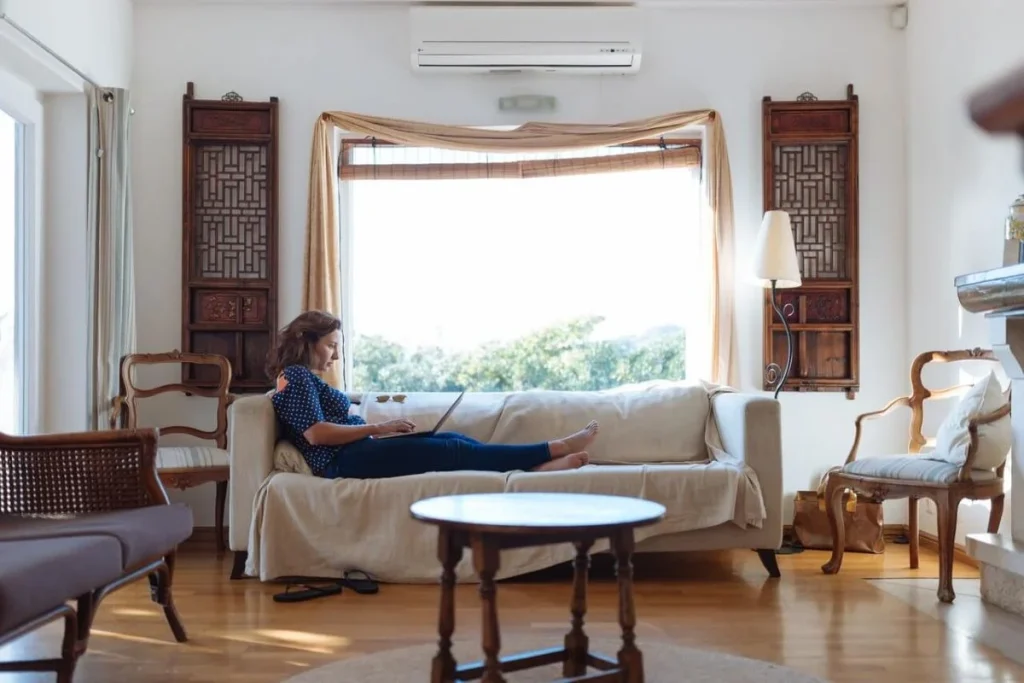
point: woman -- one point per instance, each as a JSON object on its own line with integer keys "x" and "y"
{"x": 315, "y": 418}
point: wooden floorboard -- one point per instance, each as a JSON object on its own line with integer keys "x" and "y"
{"x": 838, "y": 627}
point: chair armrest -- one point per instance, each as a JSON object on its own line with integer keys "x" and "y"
{"x": 750, "y": 427}
{"x": 858, "y": 423}
{"x": 78, "y": 473}
{"x": 252, "y": 437}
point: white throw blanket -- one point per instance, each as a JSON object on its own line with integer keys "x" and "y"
{"x": 309, "y": 526}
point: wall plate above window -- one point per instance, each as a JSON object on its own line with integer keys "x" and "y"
{"x": 527, "y": 103}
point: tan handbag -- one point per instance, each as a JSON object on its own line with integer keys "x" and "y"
{"x": 862, "y": 521}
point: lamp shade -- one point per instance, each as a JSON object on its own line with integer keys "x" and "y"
{"x": 775, "y": 252}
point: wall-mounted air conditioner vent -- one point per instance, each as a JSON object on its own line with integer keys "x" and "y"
{"x": 588, "y": 40}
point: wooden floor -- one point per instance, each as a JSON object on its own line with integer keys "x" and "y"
{"x": 838, "y": 627}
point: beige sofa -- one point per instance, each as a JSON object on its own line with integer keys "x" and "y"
{"x": 711, "y": 456}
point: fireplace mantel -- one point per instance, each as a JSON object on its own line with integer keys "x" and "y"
{"x": 997, "y": 291}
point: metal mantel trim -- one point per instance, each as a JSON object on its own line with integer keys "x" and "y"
{"x": 992, "y": 290}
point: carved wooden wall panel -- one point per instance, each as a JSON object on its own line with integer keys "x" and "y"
{"x": 810, "y": 171}
{"x": 229, "y": 196}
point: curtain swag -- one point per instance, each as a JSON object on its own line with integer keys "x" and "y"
{"x": 322, "y": 285}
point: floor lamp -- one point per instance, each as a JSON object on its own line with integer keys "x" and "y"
{"x": 776, "y": 266}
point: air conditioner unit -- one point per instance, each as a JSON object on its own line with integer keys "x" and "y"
{"x": 583, "y": 40}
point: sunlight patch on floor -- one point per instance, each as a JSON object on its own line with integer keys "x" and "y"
{"x": 132, "y": 612}
{"x": 302, "y": 641}
{"x": 147, "y": 641}
{"x": 306, "y": 638}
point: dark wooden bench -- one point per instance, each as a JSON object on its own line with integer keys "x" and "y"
{"x": 91, "y": 502}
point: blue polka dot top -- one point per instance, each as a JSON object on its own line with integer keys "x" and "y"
{"x": 302, "y": 402}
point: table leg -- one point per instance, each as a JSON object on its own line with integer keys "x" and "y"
{"x": 449, "y": 552}
{"x": 486, "y": 559}
{"x": 576, "y": 641}
{"x": 630, "y": 658}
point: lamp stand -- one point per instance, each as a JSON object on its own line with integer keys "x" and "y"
{"x": 773, "y": 370}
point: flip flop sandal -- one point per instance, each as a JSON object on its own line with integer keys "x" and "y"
{"x": 360, "y": 582}
{"x": 308, "y": 592}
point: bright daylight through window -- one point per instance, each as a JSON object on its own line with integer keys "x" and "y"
{"x": 564, "y": 282}
{"x": 10, "y": 365}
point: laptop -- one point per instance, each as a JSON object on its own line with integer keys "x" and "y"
{"x": 430, "y": 432}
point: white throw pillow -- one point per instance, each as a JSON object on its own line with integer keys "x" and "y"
{"x": 953, "y": 439}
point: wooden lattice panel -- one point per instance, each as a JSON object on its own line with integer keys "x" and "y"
{"x": 232, "y": 211}
{"x": 810, "y": 183}
{"x": 810, "y": 171}
{"x": 229, "y": 295}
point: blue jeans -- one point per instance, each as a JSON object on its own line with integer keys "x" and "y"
{"x": 441, "y": 452}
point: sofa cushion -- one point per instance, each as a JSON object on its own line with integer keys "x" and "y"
{"x": 650, "y": 422}
{"x": 912, "y": 468}
{"x": 476, "y": 416}
{"x": 190, "y": 457}
{"x": 653, "y": 422}
{"x": 143, "y": 533}
{"x": 35, "y": 575}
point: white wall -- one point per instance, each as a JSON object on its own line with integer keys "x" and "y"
{"x": 95, "y": 36}
{"x": 961, "y": 180}
{"x": 322, "y": 58}
{"x": 64, "y": 298}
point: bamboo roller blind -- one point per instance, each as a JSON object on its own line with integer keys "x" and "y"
{"x": 375, "y": 160}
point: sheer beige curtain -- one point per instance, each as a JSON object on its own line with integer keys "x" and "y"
{"x": 109, "y": 255}
{"x": 322, "y": 287}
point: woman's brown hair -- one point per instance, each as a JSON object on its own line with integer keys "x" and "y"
{"x": 296, "y": 340}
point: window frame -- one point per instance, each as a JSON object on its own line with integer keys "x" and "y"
{"x": 344, "y": 142}
{"x": 22, "y": 103}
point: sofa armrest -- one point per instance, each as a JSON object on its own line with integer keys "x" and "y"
{"x": 750, "y": 427}
{"x": 80, "y": 472}
{"x": 252, "y": 437}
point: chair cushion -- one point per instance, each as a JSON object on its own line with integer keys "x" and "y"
{"x": 190, "y": 457}
{"x": 953, "y": 439}
{"x": 144, "y": 533}
{"x": 912, "y": 468}
{"x": 35, "y": 576}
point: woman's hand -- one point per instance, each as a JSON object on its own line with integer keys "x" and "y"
{"x": 395, "y": 427}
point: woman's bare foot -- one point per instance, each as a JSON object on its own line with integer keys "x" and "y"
{"x": 575, "y": 443}
{"x": 566, "y": 462}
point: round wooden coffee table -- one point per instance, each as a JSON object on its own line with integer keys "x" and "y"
{"x": 491, "y": 522}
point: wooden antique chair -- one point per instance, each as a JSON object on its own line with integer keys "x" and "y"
{"x": 913, "y": 477}
{"x": 184, "y": 467}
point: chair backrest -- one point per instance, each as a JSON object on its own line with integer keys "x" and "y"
{"x": 125, "y": 405}
{"x": 919, "y": 393}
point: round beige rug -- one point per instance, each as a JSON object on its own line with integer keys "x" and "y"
{"x": 663, "y": 663}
